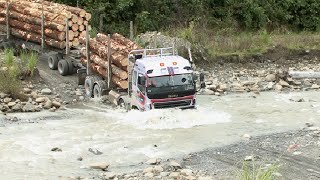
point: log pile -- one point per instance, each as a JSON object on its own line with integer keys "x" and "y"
{"x": 25, "y": 20}
{"x": 119, "y": 51}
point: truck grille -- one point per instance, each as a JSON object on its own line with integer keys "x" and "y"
{"x": 171, "y": 104}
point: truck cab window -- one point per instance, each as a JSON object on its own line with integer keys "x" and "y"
{"x": 142, "y": 83}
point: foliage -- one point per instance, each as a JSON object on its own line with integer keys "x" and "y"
{"x": 28, "y": 60}
{"x": 257, "y": 173}
{"x": 252, "y": 15}
{"x": 9, "y": 57}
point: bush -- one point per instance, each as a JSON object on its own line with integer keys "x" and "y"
{"x": 8, "y": 57}
{"x": 257, "y": 173}
{"x": 33, "y": 61}
{"x": 9, "y": 83}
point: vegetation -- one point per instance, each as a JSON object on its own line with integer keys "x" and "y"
{"x": 257, "y": 173}
{"x": 29, "y": 60}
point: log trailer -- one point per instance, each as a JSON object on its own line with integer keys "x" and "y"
{"x": 157, "y": 78}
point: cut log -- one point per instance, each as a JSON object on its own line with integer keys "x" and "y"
{"x": 28, "y": 36}
{"x": 70, "y": 23}
{"x": 60, "y": 36}
{"x": 81, "y": 28}
{"x": 75, "y": 27}
{"x": 120, "y": 83}
{"x": 76, "y": 34}
{"x": 85, "y": 23}
{"x": 74, "y": 19}
{"x": 75, "y": 42}
{"x": 32, "y": 20}
{"x": 124, "y": 41}
{"x": 80, "y": 21}
{"x": 115, "y": 46}
{"x": 88, "y": 16}
{"x": 71, "y": 35}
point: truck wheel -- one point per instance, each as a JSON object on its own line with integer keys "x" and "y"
{"x": 53, "y": 62}
{"x": 70, "y": 67}
{"x": 121, "y": 103}
{"x": 98, "y": 89}
{"x": 63, "y": 67}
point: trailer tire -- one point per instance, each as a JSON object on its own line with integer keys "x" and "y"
{"x": 53, "y": 62}
{"x": 121, "y": 103}
{"x": 70, "y": 67}
{"x": 98, "y": 89}
{"x": 63, "y": 67}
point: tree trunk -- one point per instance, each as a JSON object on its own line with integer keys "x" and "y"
{"x": 60, "y": 36}
{"x": 32, "y": 20}
{"x": 28, "y": 36}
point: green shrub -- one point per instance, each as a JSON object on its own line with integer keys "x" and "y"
{"x": 257, "y": 172}
{"x": 9, "y": 83}
{"x": 8, "y": 57}
{"x": 33, "y": 61}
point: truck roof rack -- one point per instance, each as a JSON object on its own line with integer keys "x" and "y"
{"x": 158, "y": 52}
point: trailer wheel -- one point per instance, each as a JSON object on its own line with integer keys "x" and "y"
{"x": 63, "y": 67}
{"x": 98, "y": 89}
{"x": 121, "y": 103}
{"x": 70, "y": 67}
{"x": 53, "y": 62}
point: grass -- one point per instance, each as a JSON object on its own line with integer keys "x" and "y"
{"x": 8, "y": 57}
{"x": 234, "y": 42}
{"x": 29, "y": 60}
{"x": 257, "y": 172}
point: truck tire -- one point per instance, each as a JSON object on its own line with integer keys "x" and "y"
{"x": 98, "y": 89}
{"x": 70, "y": 67}
{"x": 63, "y": 67}
{"x": 53, "y": 62}
{"x": 121, "y": 103}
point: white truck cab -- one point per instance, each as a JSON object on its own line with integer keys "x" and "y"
{"x": 160, "y": 79}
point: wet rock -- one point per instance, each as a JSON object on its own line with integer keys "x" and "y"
{"x": 109, "y": 175}
{"x": 175, "y": 165}
{"x": 56, "y": 104}
{"x": 186, "y": 172}
{"x": 152, "y": 161}
{"x": 7, "y": 100}
{"x": 270, "y": 78}
{"x": 284, "y": 83}
{"x": 278, "y": 87}
{"x": 248, "y": 158}
{"x": 40, "y": 100}
{"x": 149, "y": 175}
{"x": 27, "y": 90}
{"x": 48, "y": 104}
{"x": 56, "y": 149}
{"x": 101, "y": 165}
{"x": 315, "y": 86}
{"x": 158, "y": 169}
{"x": 46, "y": 91}
{"x": 148, "y": 170}
{"x": 11, "y": 104}
{"x": 174, "y": 175}
{"x": 29, "y": 108}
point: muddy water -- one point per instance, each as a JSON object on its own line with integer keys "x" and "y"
{"x": 127, "y": 139}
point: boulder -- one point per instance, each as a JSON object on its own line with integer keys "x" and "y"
{"x": 11, "y": 104}
{"x": 27, "y": 90}
{"x": 7, "y": 100}
{"x": 34, "y": 94}
{"x": 40, "y": 100}
{"x": 29, "y": 108}
{"x": 278, "y": 87}
{"x": 48, "y": 104}
{"x": 158, "y": 169}
{"x": 270, "y": 78}
{"x": 56, "y": 104}
{"x": 315, "y": 86}
{"x": 101, "y": 165}
{"x": 46, "y": 91}
{"x": 148, "y": 170}
{"x": 223, "y": 87}
{"x": 284, "y": 83}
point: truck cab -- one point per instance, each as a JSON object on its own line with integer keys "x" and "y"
{"x": 159, "y": 79}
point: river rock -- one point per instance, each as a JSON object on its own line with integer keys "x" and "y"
{"x": 158, "y": 169}
{"x": 11, "y": 104}
{"x": 101, "y": 165}
{"x": 284, "y": 83}
{"x": 149, "y": 175}
{"x": 315, "y": 86}
{"x": 40, "y": 100}
{"x": 7, "y": 100}
{"x": 207, "y": 92}
{"x": 78, "y": 93}
{"x": 174, "y": 175}
{"x": 29, "y": 108}
{"x": 3, "y": 95}
{"x": 53, "y": 109}
{"x": 212, "y": 87}
{"x": 148, "y": 170}
{"x": 56, "y": 104}
{"x": 46, "y": 91}
{"x": 270, "y": 78}
{"x": 26, "y": 90}
{"x": 223, "y": 87}
{"x": 307, "y": 83}
{"x": 109, "y": 175}
{"x": 48, "y": 104}
{"x": 186, "y": 172}
{"x": 278, "y": 87}
{"x": 175, "y": 165}
{"x": 164, "y": 174}
{"x": 34, "y": 94}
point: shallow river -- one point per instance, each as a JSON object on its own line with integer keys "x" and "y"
{"x": 127, "y": 139}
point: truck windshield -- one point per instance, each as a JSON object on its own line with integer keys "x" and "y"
{"x": 169, "y": 81}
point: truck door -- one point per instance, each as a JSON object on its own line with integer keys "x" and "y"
{"x": 141, "y": 91}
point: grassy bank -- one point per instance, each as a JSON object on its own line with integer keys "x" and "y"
{"x": 231, "y": 42}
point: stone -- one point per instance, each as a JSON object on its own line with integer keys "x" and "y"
{"x": 53, "y": 109}
{"x": 278, "y": 87}
{"x": 48, "y": 104}
{"x": 307, "y": 83}
{"x": 16, "y": 108}
{"x": 223, "y": 87}
{"x": 149, "y": 175}
{"x": 148, "y": 170}
{"x": 208, "y": 92}
{"x": 11, "y": 104}
{"x": 297, "y": 153}
{"x": 270, "y": 78}
{"x": 246, "y": 136}
{"x": 284, "y": 83}
{"x": 315, "y": 86}
{"x": 276, "y": 174}
{"x": 191, "y": 178}
{"x": 186, "y": 172}
{"x": 27, "y": 90}
{"x": 248, "y": 83}
{"x": 297, "y": 99}
{"x": 212, "y": 87}
{"x": 3, "y": 95}
{"x": 56, "y": 149}
{"x": 40, "y": 100}
{"x": 34, "y": 94}
{"x": 217, "y": 94}
{"x": 248, "y": 158}
{"x": 204, "y": 178}
{"x": 46, "y": 91}
{"x": 79, "y": 158}
{"x": 81, "y": 98}
{"x": 78, "y": 93}
{"x": 152, "y": 161}
{"x": 270, "y": 85}
{"x": 29, "y": 108}
{"x": 174, "y": 175}
{"x": 7, "y": 100}
{"x": 56, "y": 104}
{"x": 101, "y": 165}
{"x": 164, "y": 174}
{"x": 109, "y": 175}
{"x": 158, "y": 169}
{"x": 175, "y": 165}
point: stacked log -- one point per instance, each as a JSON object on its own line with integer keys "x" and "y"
{"x": 119, "y": 51}
{"x": 25, "y": 20}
